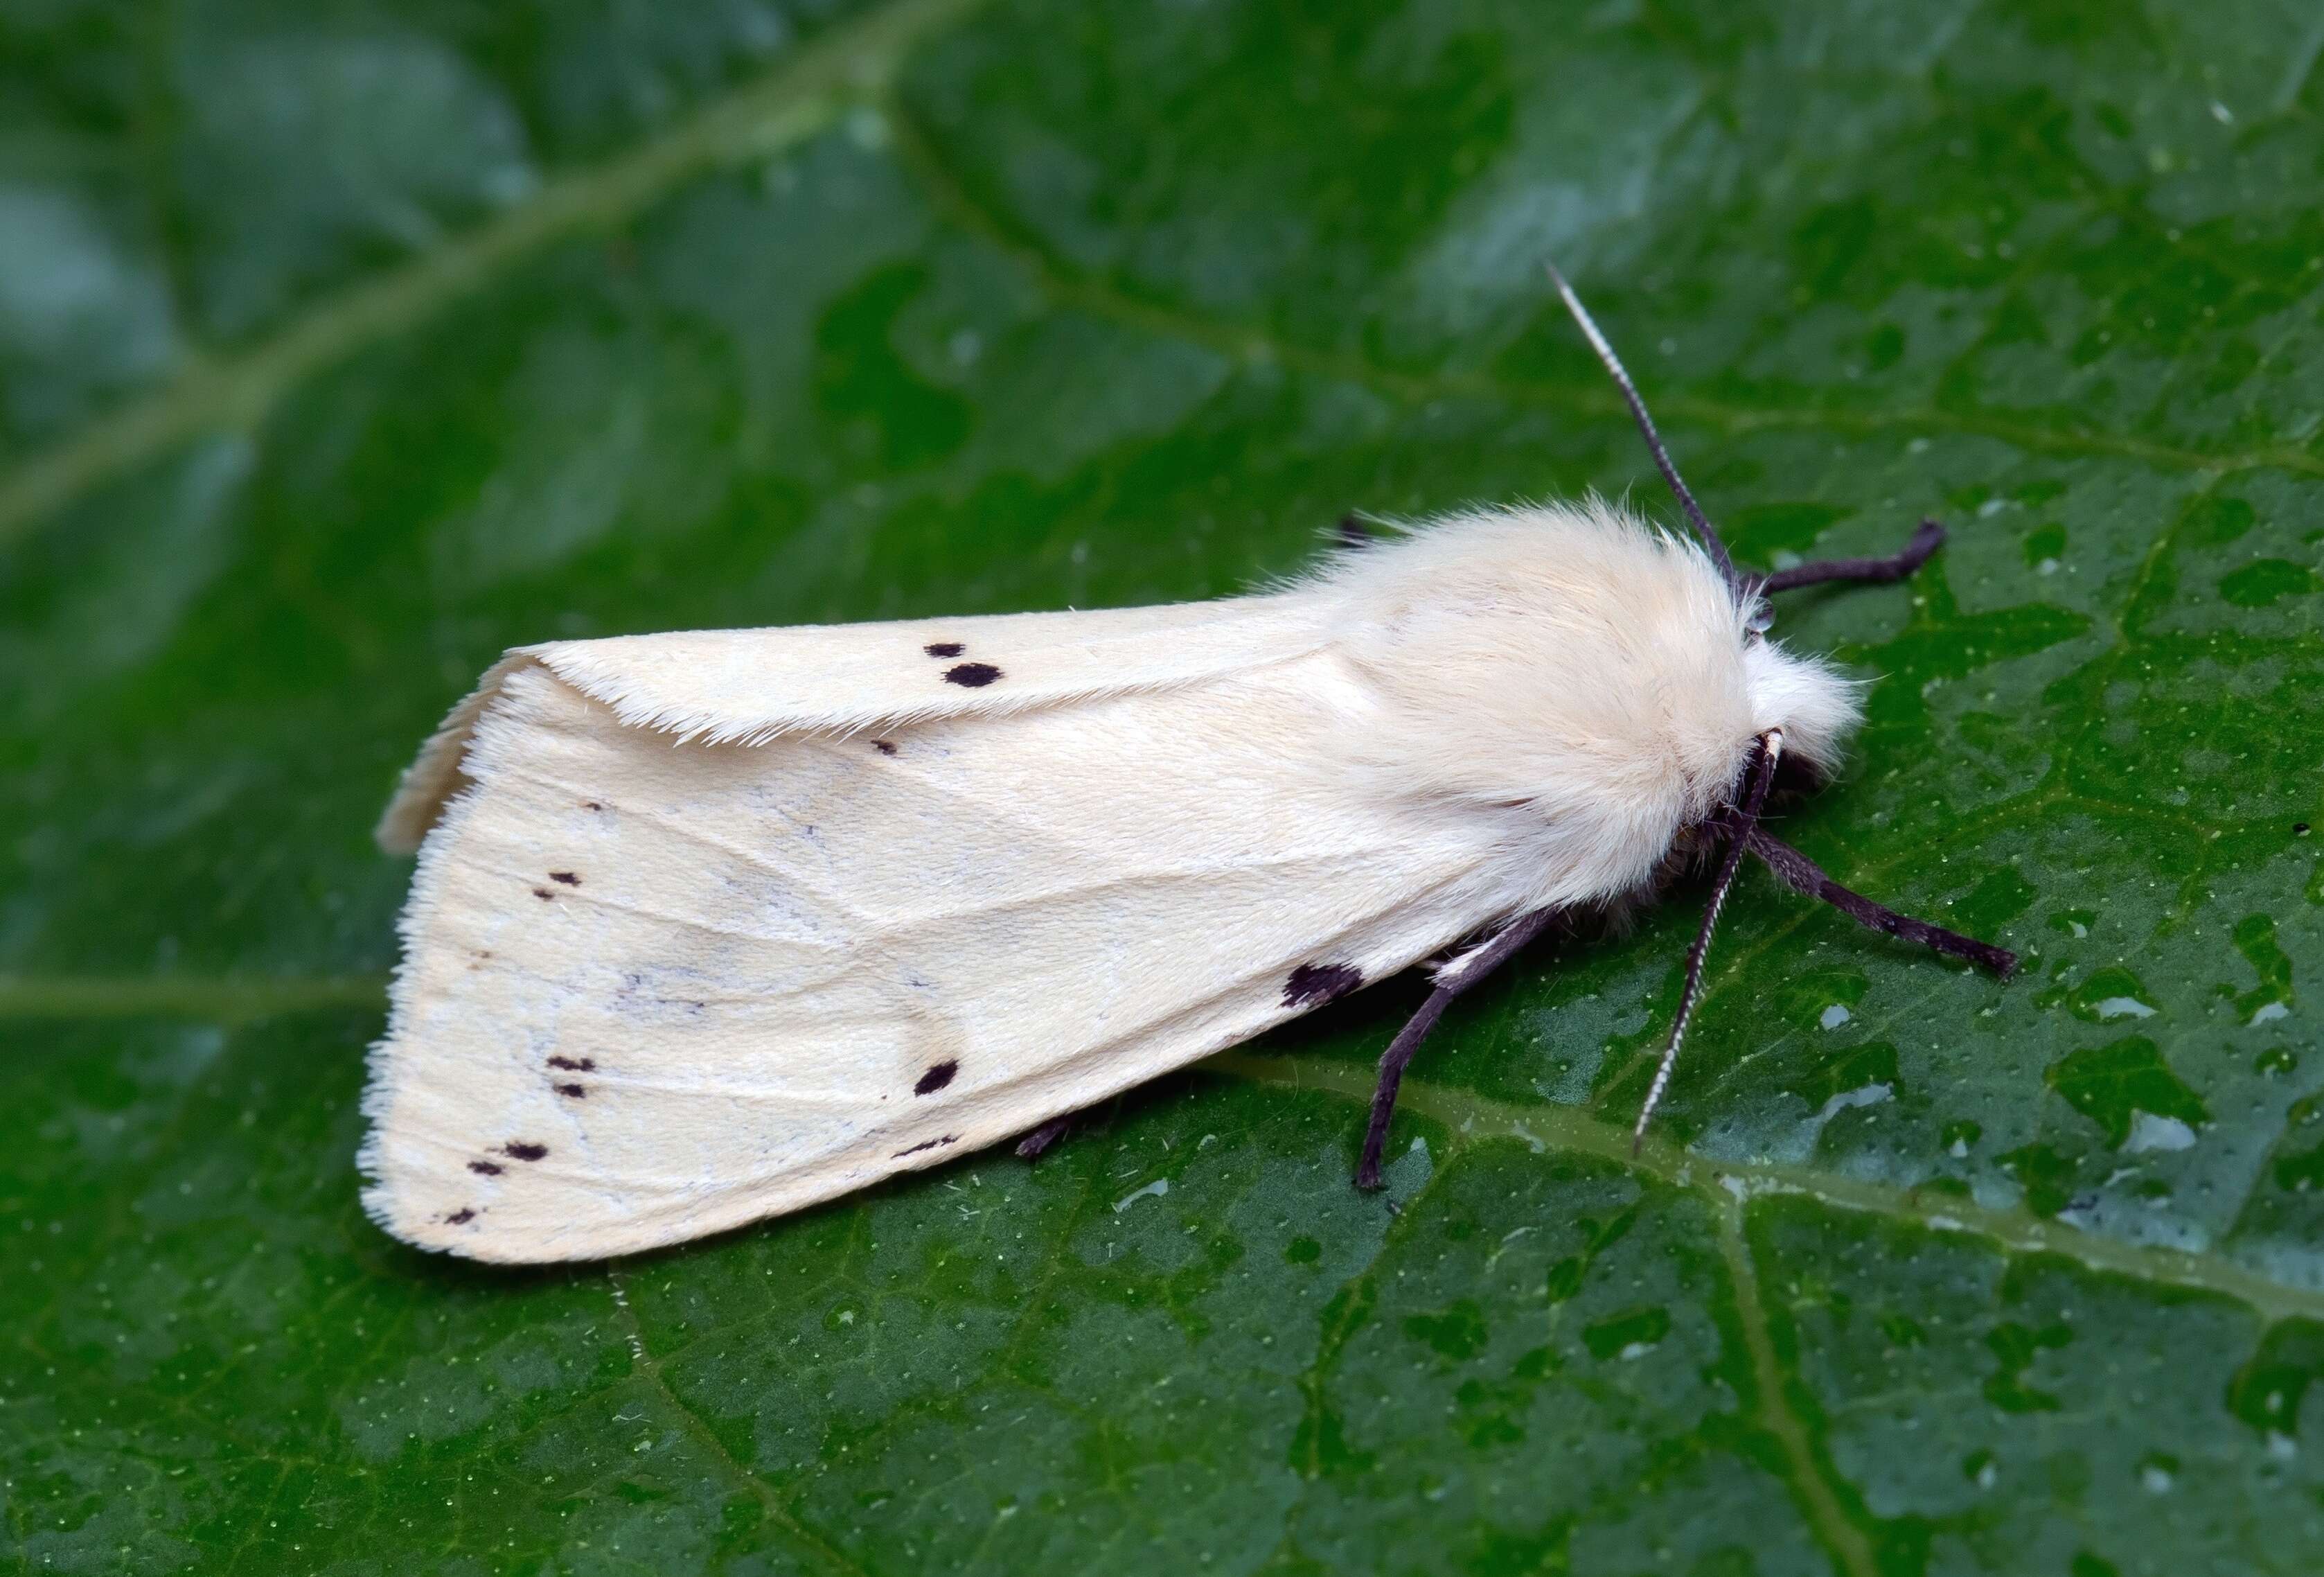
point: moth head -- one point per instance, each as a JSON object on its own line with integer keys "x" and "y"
{"x": 1802, "y": 700}
{"x": 1802, "y": 711}
{"x": 1814, "y": 705}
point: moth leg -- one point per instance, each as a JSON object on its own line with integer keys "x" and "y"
{"x": 1450, "y": 984}
{"x": 1043, "y": 1137}
{"x": 1801, "y": 874}
{"x": 1896, "y": 567}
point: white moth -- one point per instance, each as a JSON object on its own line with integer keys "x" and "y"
{"x": 711, "y": 927}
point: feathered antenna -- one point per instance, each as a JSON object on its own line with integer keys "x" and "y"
{"x": 1614, "y": 370}
{"x": 1746, "y": 817}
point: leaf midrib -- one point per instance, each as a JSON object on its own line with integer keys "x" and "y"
{"x": 856, "y": 63}
{"x": 1075, "y": 290}
{"x": 233, "y": 1002}
{"x": 1472, "y": 1117}
{"x": 801, "y": 94}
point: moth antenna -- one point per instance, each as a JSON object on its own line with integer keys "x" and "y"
{"x": 1746, "y": 816}
{"x": 1614, "y": 370}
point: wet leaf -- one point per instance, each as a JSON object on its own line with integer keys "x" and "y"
{"x": 340, "y": 350}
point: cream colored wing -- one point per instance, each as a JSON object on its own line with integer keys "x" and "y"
{"x": 748, "y": 686}
{"x": 653, "y": 988}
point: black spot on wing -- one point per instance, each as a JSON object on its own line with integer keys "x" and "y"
{"x": 927, "y": 1145}
{"x": 1311, "y": 986}
{"x": 459, "y": 1216}
{"x": 886, "y": 747}
{"x": 943, "y": 649}
{"x": 591, "y": 805}
{"x": 566, "y": 877}
{"x": 485, "y": 1168}
{"x": 938, "y": 1076}
{"x": 975, "y": 676}
{"x": 519, "y": 1150}
{"x": 573, "y": 1091}
{"x": 579, "y": 1064}
{"x": 543, "y": 894}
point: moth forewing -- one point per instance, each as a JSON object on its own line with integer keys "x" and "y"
{"x": 656, "y": 987}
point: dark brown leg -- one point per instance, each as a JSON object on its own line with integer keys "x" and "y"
{"x": 1043, "y": 1137}
{"x": 1398, "y": 1056}
{"x": 1800, "y": 873}
{"x": 1896, "y": 566}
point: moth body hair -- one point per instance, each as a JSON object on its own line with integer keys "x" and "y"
{"x": 1573, "y": 676}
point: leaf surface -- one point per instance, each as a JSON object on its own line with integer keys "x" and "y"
{"x": 340, "y": 350}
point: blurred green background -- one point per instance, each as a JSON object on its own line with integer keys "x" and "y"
{"x": 343, "y": 344}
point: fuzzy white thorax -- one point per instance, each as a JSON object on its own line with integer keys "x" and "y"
{"x": 1589, "y": 681}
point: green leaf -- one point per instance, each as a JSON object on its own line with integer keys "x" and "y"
{"x": 342, "y": 347}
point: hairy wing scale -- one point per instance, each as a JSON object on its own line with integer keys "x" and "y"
{"x": 655, "y": 989}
